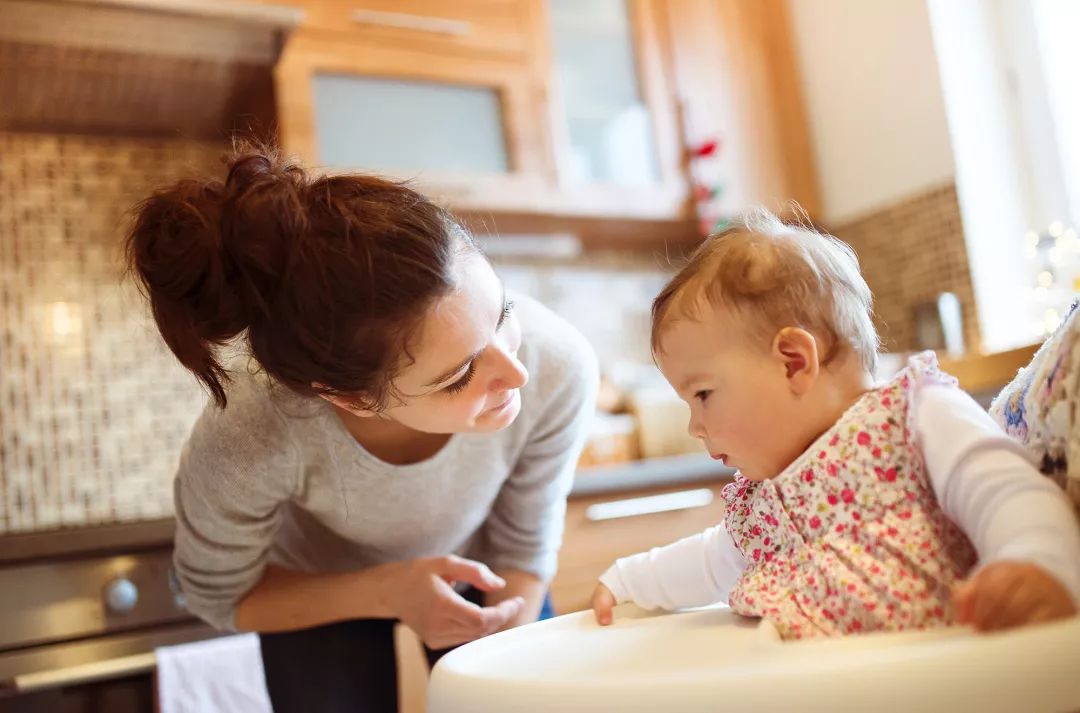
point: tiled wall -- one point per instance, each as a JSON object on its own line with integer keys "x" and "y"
{"x": 606, "y": 295}
{"x": 910, "y": 252}
{"x": 93, "y": 408}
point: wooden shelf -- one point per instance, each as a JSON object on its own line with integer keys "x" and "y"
{"x": 673, "y": 238}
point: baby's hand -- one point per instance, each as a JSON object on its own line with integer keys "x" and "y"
{"x": 1008, "y": 594}
{"x": 602, "y": 602}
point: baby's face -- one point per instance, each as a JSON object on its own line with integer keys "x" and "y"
{"x": 741, "y": 406}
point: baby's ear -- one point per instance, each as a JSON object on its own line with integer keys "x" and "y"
{"x": 797, "y": 350}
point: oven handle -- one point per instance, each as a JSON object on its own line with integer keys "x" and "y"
{"x": 83, "y": 673}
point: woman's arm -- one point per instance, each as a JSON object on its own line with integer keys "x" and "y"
{"x": 523, "y": 532}
{"x": 418, "y": 592}
{"x": 233, "y": 480}
{"x": 526, "y": 585}
{"x": 284, "y": 599}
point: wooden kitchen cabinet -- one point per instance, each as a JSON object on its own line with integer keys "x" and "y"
{"x": 399, "y": 105}
{"x": 569, "y": 109}
{"x": 615, "y": 136}
{"x": 736, "y": 79}
{"x": 526, "y": 57}
{"x": 591, "y": 546}
{"x": 465, "y": 27}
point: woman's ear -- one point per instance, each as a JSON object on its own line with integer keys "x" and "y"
{"x": 797, "y": 350}
{"x": 343, "y": 402}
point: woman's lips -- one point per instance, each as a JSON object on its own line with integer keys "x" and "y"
{"x": 501, "y": 406}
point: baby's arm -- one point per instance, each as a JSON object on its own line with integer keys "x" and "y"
{"x": 695, "y": 571}
{"x": 1022, "y": 525}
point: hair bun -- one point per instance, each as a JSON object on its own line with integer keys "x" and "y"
{"x": 246, "y": 169}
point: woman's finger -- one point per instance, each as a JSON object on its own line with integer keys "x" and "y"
{"x": 498, "y": 616}
{"x": 458, "y": 569}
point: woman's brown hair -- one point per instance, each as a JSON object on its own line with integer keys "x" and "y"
{"x": 326, "y": 275}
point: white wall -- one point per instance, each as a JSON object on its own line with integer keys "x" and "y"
{"x": 874, "y": 101}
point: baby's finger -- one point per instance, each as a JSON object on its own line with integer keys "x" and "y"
{"x": 1034, "y": 603}
{"x": 998, "y": 604}
{"x": 602, "y": 605}
{"x": 963, "y": 601}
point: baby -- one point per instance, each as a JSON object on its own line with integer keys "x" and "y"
{"x": 858, "y": 506}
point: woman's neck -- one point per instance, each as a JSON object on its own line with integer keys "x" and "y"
{"x": 390, "y": 441}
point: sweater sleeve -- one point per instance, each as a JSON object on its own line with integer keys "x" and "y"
{"x": 694, "y": 571}
{"x": 986, "y": 483}
{"x": 235, "y": 473}
{"x": 524, "y": 528}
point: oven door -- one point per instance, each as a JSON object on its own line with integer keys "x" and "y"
{"x": 79, "y": 633}
{"x": 109, "y": 674}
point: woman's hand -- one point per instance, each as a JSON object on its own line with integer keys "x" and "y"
{"x": 420, "y": 593}
{"x": 602, "y": 603}
{"x": 1008, "y": 594}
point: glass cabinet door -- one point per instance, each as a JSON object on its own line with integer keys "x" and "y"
{"x": 614, "y": 121}
{"x": 603, "y": 122}
{"x": 465, "y": 128}
{"x": 398, "y": 126}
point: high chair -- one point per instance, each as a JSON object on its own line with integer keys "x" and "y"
{"x": 714, "y": 660}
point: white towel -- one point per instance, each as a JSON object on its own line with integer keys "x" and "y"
{"x": 223, "y": 675}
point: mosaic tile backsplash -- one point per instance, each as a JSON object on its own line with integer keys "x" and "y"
{"x": 910, "y": 252}
{"x": 93, "y": 408}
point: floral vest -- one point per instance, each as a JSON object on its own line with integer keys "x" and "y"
{"x": 850, "y": 537}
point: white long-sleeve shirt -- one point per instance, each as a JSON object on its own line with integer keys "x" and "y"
{"x": 983, "y": 480}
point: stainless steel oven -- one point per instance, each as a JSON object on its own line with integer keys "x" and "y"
{"x": 81, "y": 612}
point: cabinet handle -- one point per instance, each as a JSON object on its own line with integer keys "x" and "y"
{"x": 405, "y": 21}
{"x": 631, "y": 507}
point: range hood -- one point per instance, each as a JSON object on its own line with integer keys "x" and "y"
{"x": 191, "y": 68}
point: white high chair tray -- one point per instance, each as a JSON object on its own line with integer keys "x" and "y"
{"x": 714, "y": 660}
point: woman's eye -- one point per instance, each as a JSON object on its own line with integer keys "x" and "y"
{"x": 702, "y": 395}
{"x": 463, "y": 382}
{"x": 507, "y": 309}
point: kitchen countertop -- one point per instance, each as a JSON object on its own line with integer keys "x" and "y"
{"x": 670, "y": 470}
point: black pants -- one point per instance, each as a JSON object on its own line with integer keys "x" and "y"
{"x": 347, "y": 667}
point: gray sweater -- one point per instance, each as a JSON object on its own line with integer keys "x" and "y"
{"x": 275, "y": 478}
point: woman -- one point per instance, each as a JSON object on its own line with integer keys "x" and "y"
{"x": 398, "y": 446}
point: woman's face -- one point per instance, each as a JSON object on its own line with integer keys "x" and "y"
{"x": 465, "y": 376}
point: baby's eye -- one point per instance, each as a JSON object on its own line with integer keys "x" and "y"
{"x": 702, "y": 395}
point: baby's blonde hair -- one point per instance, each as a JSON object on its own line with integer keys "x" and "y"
{"x": 774, "y": 275}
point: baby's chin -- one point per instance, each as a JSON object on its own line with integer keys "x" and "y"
{"x": 756, "y": 474}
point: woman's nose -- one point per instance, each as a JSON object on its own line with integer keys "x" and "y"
{"x": 509, "y": 372}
